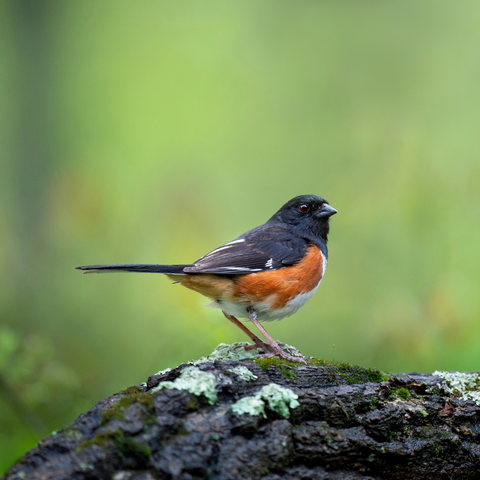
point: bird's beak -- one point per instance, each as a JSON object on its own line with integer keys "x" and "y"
{"x": 326, "y": 211}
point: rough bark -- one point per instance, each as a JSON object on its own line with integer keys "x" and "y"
{"x": 345, "y": 427}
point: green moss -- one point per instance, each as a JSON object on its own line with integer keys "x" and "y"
{"x": 287, "y": 368}
{"x": 353, "y": 374}
{"x": 402, "y": 393}
{"x": 192, "y": 404}
{"x": 118, "y": 410}
{"x": 438, "y": 439}
{"x": 180, "y": 428}
{"x": 393, "y": 436}
{"x": 130, "y": 390}
{"x": 101, "y": 440}
{"x": 125, "y": 446}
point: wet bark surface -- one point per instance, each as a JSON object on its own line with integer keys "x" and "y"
{"x": 345, "y": 427}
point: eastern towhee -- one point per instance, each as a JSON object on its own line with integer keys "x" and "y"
{"x": 265, "y": 274}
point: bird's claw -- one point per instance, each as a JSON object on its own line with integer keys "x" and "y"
{"x": 282, "y": 354}
{"x": 260, "y": 345}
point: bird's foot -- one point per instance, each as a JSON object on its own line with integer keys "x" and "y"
{"x": 280, "y": 353}
{"x": 259, "y": 344}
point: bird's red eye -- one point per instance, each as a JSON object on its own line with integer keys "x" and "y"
{"x": 304, "y": 208}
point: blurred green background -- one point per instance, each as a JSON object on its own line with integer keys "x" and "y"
{"x": 154, "y": 131}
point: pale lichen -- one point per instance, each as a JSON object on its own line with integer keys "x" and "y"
{"x": 465, "y": 385}
{"x": 290, "y": 350}
{"x": 162, "y": 372}
{"x": 243, "y": 372}
{"x": 236, "y": 351}
{"x": 223, "y": 351}
{"x": 272, "y": 396}
{"x": 195, "y": 381}
{"x": 253, "y": 405}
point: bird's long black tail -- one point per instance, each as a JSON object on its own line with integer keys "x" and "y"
{"x": 139, "y": 267}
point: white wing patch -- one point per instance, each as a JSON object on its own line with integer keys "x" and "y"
{"x": 269, "y": 264}
{"x": 242, "y": 269}
{"x": 223, "y": 247}
{"x": 235, "y": 241}
{"x": 219, "y": 249}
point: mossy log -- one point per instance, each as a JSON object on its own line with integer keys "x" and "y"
{"x": 340, "y": 422}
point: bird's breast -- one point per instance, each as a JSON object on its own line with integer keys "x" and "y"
{"x": 279, "y": 293}
{"x": 274, "y": 294}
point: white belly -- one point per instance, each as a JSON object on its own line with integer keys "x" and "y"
{"x": 264, "y": 313}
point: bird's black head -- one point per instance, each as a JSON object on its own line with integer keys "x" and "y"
{"x": 307, "y": 212}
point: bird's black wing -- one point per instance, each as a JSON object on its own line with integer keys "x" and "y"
{"x": 268, "y": 247}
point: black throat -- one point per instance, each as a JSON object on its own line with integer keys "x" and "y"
{"x": 316, "y": 234}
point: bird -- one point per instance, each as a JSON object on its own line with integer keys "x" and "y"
{"x": 266, "y": 274}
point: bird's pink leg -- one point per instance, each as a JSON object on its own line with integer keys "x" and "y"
{"x": 277, "y": 351}
{"x": 259, "y": 343}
